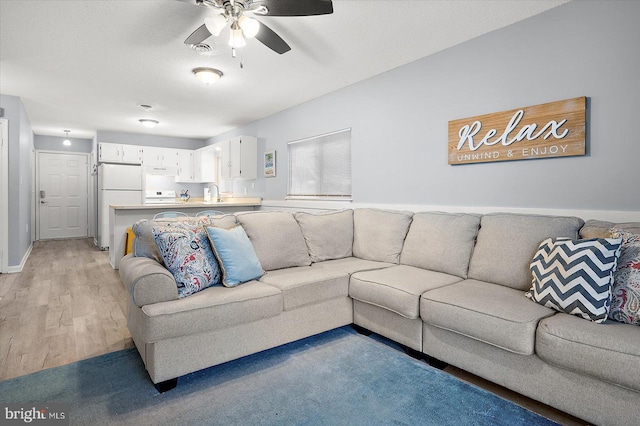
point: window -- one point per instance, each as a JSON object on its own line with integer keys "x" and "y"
{"x": 320, "y": 166}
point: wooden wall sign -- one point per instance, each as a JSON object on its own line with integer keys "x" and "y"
{"x": 555, "y": 129}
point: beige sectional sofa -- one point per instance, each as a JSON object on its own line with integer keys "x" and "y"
{"x": 449, "y": 286}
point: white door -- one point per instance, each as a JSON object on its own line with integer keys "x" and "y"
{"x": 63, "y": 195}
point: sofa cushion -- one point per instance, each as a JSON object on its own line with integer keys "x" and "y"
{"x": 144, "y": 245}
{"x": 625, "y": 302}
{"x": 328, "y": 235}
{"x": 491, "y": 313}
{"x": 441, "y": 242}
{"x": 600, "y": 229}
{"x": 188, "y": 256}
{"x": 379, "y": 234}
{"x": 350, "y": 265}
{"x": 214, "y": 308}
{"x": 305, "y": 285}
{"x": 608, "y": 351}
{"x": 235, "y": 255}
{"x": 277, "y": 239}
{"x": 575, "y": 276}
{"x": 397, "y": 288}
{"x": 507, "y": 242}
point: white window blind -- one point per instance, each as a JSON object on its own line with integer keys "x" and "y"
{"x": 320, "y": 167}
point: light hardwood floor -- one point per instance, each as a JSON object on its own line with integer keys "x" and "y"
{"x": 68, "y": 304}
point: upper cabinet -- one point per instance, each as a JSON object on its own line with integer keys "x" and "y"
{"x": 153, "y": 156}
{"x": 236, "y": 158}
{"x": 184, "y": 161}
{"x": 119, "y": 153}
{"x": 204, "y": 164}
{"x": 239, "y": 158}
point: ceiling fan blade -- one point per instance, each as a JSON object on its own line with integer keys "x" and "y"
{"x": 198, "y": 36}
{"x": 297, "y": 7}
{"x": 273, "y": 41}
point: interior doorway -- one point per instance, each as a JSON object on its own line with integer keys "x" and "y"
{"x": 4, "y": 195}
{"x": 62, "y": 195}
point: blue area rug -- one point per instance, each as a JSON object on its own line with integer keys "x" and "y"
{"x": 335, "y": 378}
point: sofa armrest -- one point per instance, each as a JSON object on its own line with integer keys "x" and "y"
{"x": 147, "y": 281}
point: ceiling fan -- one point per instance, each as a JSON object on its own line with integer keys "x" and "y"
{"x": 238, "y": 14}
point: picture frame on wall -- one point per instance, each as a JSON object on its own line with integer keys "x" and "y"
{"x": 270, "y": 163}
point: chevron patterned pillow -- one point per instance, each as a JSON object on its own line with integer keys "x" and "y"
{"x": 575, "y": 276}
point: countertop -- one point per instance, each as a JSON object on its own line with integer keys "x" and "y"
{"x": 194, "y": 203}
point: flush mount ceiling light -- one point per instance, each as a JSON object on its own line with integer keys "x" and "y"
{"x": 147, "y": 122}
{"x": 66, "y": 141}
{"x": 207, "y": 75}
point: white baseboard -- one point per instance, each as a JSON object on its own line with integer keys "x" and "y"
{"x": 18, "y": 268}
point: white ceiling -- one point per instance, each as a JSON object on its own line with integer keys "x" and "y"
{"x": 86, "y": 65}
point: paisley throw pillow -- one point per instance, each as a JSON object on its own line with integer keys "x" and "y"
{"x": 625, "y": 301}
{"x": 187, "y": 254}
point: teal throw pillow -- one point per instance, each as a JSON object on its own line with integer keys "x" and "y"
{"x": 235, "y": 254}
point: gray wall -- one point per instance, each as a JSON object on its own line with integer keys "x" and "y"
{"x": 399, "y": 118}
{"x": 20, "y": 178}
{"x": 54, "y": 143}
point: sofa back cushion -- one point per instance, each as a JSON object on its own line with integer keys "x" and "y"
{"x": 144, "y": 244}
{"x": 328, "y": 235}
{"x": 441, "y": 242}
{"x": 379, "y": 234}
{"x": 507, "y": 243}
{"x": 276, "y": 238}
{"x": 600, "y": 229}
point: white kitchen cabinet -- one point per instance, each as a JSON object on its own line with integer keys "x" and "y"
{"x": 153, "y": 156}
{"x": 222, "y": 156}
{"x": 205, "y": 164}
{"x": 239, "y": 158}
{"x": 119, "y": 153}
{"x": 184, "y": 158}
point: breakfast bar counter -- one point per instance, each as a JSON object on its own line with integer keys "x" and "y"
{"x": 122, "y": 217}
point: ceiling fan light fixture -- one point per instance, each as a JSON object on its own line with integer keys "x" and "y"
{"x": 147, "y": 122}
{"x": 215, "y": 24}
{"x": 207, "y": 75}
{"x": 236, "y": 38}
{"x": 250, "y": 26}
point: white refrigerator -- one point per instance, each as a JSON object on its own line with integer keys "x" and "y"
{"x": 119, "y": 185}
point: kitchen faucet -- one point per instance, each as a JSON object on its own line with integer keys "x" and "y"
{"x": 218, "y": 198}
